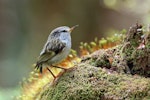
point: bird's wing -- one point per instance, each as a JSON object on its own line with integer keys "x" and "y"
{"x": 51, "y": 49}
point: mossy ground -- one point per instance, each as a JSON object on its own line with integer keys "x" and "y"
{"x": 87, "y": 82}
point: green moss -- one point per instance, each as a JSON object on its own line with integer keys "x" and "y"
{"x": 101, "y": 62}
{"x": 87, "y": 82}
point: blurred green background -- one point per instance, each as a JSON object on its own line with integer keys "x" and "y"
{"x": 26, "y": 24}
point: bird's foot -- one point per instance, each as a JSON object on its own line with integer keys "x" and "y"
{"x": 56, "y": 78}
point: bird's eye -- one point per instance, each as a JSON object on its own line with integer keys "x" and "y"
{"x": 63, "y": 31}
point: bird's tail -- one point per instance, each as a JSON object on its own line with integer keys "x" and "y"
{"x": 38, "y": 66}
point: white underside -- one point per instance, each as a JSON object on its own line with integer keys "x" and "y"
{"x": 59, "y": 57}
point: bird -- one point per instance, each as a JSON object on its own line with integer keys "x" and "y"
{"x": 56, "y": 48}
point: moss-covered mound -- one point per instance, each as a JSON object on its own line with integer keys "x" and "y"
{"x": 132, "y": 56}
{"x": 87, "y": 82}
{"x": 121, "y": 72}
{"x": 118, "y": 73}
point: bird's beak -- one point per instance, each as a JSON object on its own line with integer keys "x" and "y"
{"x": 72, "y": 28}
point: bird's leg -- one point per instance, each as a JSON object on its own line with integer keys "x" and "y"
{"x": 60, "y": 67}
{"x": 51, "y": 72}
{"x": 55, "y": 77}
{"x": 60, "y": 74}
{"x": 65, "y": 69}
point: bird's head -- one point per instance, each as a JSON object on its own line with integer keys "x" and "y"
{"x": 62, "y": 30}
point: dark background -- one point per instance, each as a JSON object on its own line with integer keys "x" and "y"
{"x": 26, "y": 24}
